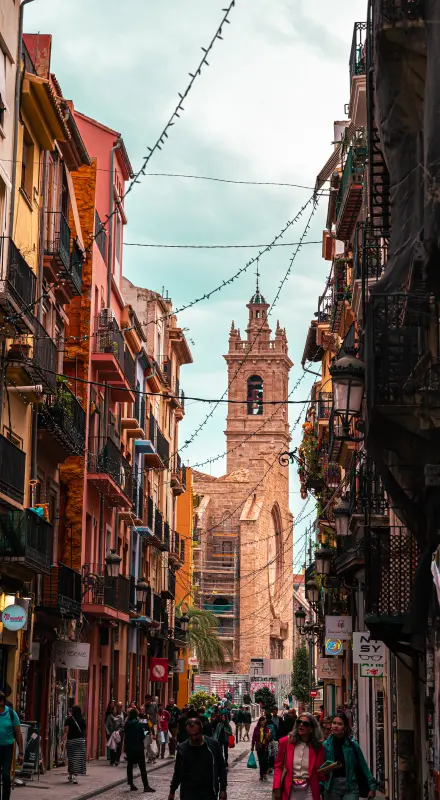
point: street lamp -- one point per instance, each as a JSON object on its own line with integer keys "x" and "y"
{"x": 184, "y": 623}
{"x": 113, "y": 563}
{"x": 300, "y": 616}
{"x": 341, "y": 513}
{"x": 142, "y": 590}
{"x": 324, "y": 558}
{"x": 348, "y": 379}
{"x": 312, "y": 592}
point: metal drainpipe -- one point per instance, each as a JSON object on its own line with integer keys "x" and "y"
{"x": 16, "y": 114}
{"x": 110, "y": 226}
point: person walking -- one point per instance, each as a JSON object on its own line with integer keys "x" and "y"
{"x": 326, "y": 727}
{"x": 173, "y": 727}
{"x": 200, "y": 768}
{"x": 276, "y": 721}
{"x": 300, "y": 756}
{"x": 135, "y": 750}
{"x": 288, "y": 723}
{"x": 343, "y": 783}
{"x": 163, "y": 722}
{"x": 10, "y": 732}
{"x": 260, "y": 743}
{"x": 150, "y": 708}
{"x": 239, "y": 723}
{"x": 74, "y": 742}
{"x": 115, "y": 730}
{"x": 247, "y": 722}
{"x": 222, "y": 733}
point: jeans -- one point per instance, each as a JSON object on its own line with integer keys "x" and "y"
{"x": 6, "y": 751}
{"x": 263, "y": 760}
{"x": 247, "y": 727}
{"x": 338, "y": 791}
{"x": 115, "y": 755}
{"x": 225, "y": 747}
{"x": 239, "y": 730}
{"x": 137, "y": 758}
{"x": 299, "y": 794}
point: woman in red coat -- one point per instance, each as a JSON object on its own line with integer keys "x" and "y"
{"x": 300, "y": 755}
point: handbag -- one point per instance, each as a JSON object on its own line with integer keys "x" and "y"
{"x": 231, "y": 741}
{"x": 299, "y": 784}
{"x": 252, "y": 761}
{"x": 361, "y": 779}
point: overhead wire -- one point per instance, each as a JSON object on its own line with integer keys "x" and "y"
{"x": 215, "y": 246}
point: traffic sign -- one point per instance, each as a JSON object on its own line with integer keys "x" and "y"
{"x": 313, "y": 693}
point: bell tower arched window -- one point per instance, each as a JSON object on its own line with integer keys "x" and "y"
{"x": 255, "y": 395}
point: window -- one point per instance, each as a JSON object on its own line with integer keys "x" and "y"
{"x": 8, "y": 433}
{"x": 3, "y": 107}
{"x": 27, "y": 159}
{"x": 255, "y": 395}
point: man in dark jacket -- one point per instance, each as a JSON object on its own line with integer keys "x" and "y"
{"x": 287, "y": 724}
{"x": 134, "y": 750}
{"x": 200, "y": 768}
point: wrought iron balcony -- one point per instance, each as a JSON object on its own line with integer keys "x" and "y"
{"x": 178, "y": 475}
{"x": 100, "y": 237}
{"x": 367, "y": 493}
{"x": 62, "y": 591}
{"x": 325, "y": 306}
{"x": 103, "y": 592}
{"x": 325, "y": 402}
{"x": 157, "y": 607}
{"x": 163, "y": 447}
{"x": 166, "y": 537}
{"x": 392, "y": 556}
{"x": 64, "y": 417}
{"x": 169, "y": 593}
{"x": 25, "y": 541}
{"x": 109, "y": 357}
{"x": 12, "y": 470}
{"x": 57, "y": 241}
{"x": 129, "y": 368}
{"x": 358, "y": 57}
{"x": 403, "y": 359}
{"x": 349, "y": 199}
{"x": 402, "y": 10}
{"x": 17, "y": 286}
{"x": 76, "y": 266}
{"x": 110, "y": 472}
{"x": 37, "y": 359}
{"x": 108, "y": 338}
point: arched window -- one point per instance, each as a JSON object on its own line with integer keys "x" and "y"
{"x": 255, "y": 395}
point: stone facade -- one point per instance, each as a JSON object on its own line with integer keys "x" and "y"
{"x": 244, "y": 554}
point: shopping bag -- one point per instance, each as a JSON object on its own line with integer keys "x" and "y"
{"x": 252, "y": 763}
{"x": 231, "y": 741}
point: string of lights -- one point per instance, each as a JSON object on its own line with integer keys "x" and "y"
{"x": 215, "y": 246}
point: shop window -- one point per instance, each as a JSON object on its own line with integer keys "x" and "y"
{"x": 255, "y": 395}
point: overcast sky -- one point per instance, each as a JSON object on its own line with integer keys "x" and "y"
{"x": 262, "y": 111}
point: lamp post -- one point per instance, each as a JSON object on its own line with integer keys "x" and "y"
{"x": 184, "y": 623}
{"x": 348, "y": 379}
{"x": 312, "y": 592}
{"x": 323, "y": 558}
{"x": 300, "y": 618}
{"x": 341, "y": 513}
{"x": 142, "y": 588}
{"x": 113, "y": 563}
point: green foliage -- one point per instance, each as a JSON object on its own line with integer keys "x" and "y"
{"x": 203, "y": 638}
{"x": 202, "y": 700}
{"x": 300, "y": 677}
{"x": 265, "y": 698}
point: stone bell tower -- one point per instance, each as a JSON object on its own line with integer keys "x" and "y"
{"x": 258, "y": 371}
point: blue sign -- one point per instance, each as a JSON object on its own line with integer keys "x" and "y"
{"x": 333, "y": 647}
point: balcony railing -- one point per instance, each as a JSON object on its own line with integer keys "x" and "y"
{"x": 57, "y": 238}
{"x": 227, "y": 608}
{"x": 392, "y": 556}
{"x": 358, "y": 56}
{"x": 325, "y": 402}
{"x": 100, "y": 237}
{"x": 166, "y": 536}
{"x": 130, "y": 368}
{"x": 62, "y": 590}
{"x": 182, "y": 550}
{"x": 367, "y": 493}
{"x": 150, "y": 513}
{"x": 102, "y": 590}
{"x": 108, "y": 337}
{"x": 64, "y": 415}
{"x": 107, "y": 459}
{"x": 44, "y": 358}
{"x": 17, "y": 281}
{"x": 402, "y": 10}
{"x": 325, "y": 306}
{"x": 139, "y": 409}
{"x": 171, "y": 583}
{"x": 25, "y": 538}
{"x": 353, "y": 174}
{"x": 370, "y": 254}
{"x": 12, "y": 470}
{"x": 158, "y": 524}
{"x": 157, "y": 607}
{"x": 163, "y": 447}
{"x": 76, "y": 266}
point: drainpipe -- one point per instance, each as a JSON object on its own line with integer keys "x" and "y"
{"x": 110, "y": 225}
{"x": 16, "y": 113}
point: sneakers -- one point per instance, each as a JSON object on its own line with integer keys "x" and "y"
{"x": 69, "y": 778}
{"x": 149, "y": 789}
{"x": 133, "y": 788}
{"x": 74, "y": 779}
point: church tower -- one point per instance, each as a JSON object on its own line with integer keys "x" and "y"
{"x": 258, "y": 371}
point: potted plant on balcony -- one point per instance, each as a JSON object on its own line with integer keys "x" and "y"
{"x": 64, "y": 396}
{"x": 19, "y": 350}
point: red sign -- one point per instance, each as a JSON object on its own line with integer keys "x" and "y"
{"x": 313, "y": 693}
{"x": 159, "y": 670}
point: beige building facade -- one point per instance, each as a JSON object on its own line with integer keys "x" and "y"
{"x": 243, "y": 526}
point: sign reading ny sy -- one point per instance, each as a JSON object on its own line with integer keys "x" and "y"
{"x": 367, "y": 650}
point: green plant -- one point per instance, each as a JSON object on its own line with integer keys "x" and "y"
{"x": 300, "y": 676}
{"x": 203, "y": 637}
{"x": 202, "y": 700}
{"x": 265, "y": 698}
{"x": 64, "y": 395}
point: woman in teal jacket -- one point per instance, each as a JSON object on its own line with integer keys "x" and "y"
{"x": 342, "y": 783}
{"x": 222, "y": 733}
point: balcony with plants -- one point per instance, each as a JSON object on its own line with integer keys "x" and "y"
{"x": 62, "y": 421}
{"x": 349, "y": 198}
{"x": 33, "y": 360}
{"x": 17, "y": 289}
{"x": 111, "y": 357}
{"x": 310, "y": 456}
{"x": 63, "y": 257}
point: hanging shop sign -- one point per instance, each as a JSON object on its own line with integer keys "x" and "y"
{"x": 193, "y": 662}
{"x": 71, "y": 655}
{"x": 338, "y": 627}
{"x": 159, "y": 670}
{"x": 14, "y": 618}
{"x": 334, "y": 647}
{"x": 365, "y": 671}
{"x": 329, "y": 669}
{"x": 367, "y": 650}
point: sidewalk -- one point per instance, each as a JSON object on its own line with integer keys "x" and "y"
{"x": 100, "y": 778}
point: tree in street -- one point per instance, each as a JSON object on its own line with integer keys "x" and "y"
{"x": 300, "y": 677}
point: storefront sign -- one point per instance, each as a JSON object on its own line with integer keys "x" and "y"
{"x": 193, "y": 662}
{"x": 367, "y": 650}
{"x": 333, "y": 647}
{"x": 180, "y": 669}
{"x": 31, "y": 759}
{"x": 366, "y": 671}
{"x": 14, "y": 618}
{"x": 71, "y": 655}
{"x": 338, "y": 627}
{"x": 255, "y": 685}
{"x": 329, "y": 669}
{"x": 159, "y": 670}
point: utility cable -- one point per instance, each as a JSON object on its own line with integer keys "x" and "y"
{"x": 216, "y": 246}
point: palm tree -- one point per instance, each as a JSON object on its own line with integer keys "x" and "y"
{"x": 203, "y": 637}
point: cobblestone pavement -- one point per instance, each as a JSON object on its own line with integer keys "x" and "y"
{"x": 243, "y": 784}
